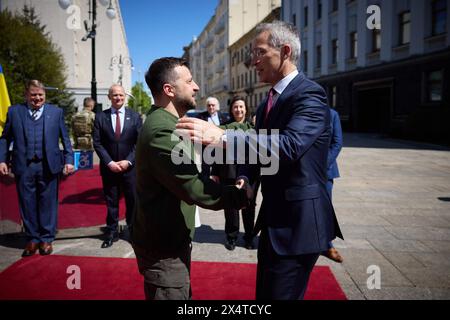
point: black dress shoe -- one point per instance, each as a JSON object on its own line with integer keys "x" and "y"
{"x": 230, "y": 244}
{"x": 110, "y": 239}
{"x": 249, "y": 244}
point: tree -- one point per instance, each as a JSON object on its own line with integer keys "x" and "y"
{"x": 140, "y": 100}
{"x": 26, "y": 53}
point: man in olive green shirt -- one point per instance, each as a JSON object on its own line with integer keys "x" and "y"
{"x": 167, "y": 191}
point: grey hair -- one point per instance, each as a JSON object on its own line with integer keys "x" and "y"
{"x": 214, "y": 98}
{"x": 282, "y": 33}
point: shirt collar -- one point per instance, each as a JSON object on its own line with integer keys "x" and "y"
{"x": 118, "y": 111}
{"x": 38, "y": 110}
{"x": 283, "y": 83}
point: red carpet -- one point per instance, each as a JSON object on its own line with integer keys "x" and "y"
{"x": 45, "y": 278}
{"x": 81, "y": 202}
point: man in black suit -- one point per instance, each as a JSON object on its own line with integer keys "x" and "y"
{"x": 214, "y": 116}
{"x": 212, "y": 113}
{"x": 115, "y": 135}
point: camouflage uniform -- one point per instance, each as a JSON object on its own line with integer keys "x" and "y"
{"x": 82, "y": 127}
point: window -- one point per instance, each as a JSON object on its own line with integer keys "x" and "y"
{"x": 319, "y": 56}
{"x": 439, "y": 17}
{"x": 405, "y": 27}
{"x": 333, "y": 91}
{"x": 376, "y": 40}
{"x": 305, "y": 16}
{"x": 353, "y": 45}
{"x": 334, "y": 51}
{"x": 335, "y": 5}
{"x": 319, "y": 9}
{"x": 434, "y": 86}
{"x": 294, "y": 19}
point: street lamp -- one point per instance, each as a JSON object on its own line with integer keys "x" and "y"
{"x": 91, "y": 29}
{"x": 121, "y": 62}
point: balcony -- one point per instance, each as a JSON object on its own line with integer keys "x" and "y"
{"x": 220, "y": 26}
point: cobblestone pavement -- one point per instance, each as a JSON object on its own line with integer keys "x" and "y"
{"x": 393, "y": 204}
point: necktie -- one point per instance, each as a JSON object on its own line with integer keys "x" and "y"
{"x": 117, "y": 132}
{"x": 269, "y": 105}
{"x": 34, "y": 114}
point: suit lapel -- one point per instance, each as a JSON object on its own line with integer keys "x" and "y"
{"x": 47, "y": 117}
{"x": 23, "y": 113}
{"x": 126, "y": 121}
{"x": 276, "y": 109}
{"x": 108, "y": 122}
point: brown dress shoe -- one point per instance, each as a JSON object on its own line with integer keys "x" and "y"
{"x": 45, "y": 248}
{"x": 334, "y": 255}
{"x": 30, "y": 249}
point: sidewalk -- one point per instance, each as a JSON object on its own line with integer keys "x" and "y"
{"x": 393, "y": 204}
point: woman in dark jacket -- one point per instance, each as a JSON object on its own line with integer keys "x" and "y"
{"x": 227, "y": 174}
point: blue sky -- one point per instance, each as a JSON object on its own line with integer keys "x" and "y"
{"x": 157, "y": 28}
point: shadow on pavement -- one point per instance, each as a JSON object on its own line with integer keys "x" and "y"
{"x": 372, "y": 140}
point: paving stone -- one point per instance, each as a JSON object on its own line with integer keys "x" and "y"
{"x": 399, "y": 245}
{"x": 419, "y": 233}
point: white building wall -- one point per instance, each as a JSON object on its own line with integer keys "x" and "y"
{"x": 110, "y": 41}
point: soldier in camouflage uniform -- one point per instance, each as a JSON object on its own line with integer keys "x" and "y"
{"x": 83, "y": 125}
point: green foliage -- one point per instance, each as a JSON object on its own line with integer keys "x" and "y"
{"x": 27, "y": 52}
{"x": 140, "y": 100}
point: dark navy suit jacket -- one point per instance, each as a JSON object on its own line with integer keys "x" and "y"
{"x": 105, "y": 144}
{"x": 335, "y": 145}
{"x": 54, "y": 129}
{"x": 296, "y": 209}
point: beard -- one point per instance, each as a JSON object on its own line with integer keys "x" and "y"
{"x": 184, "y": 104}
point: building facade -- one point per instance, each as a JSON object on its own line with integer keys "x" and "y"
{"x": 66, "y": 28}
{"x": 209, "y": 52}
{"x": 388, "y": 75}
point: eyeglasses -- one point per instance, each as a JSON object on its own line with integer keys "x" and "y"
{"x": 257, "y": 53}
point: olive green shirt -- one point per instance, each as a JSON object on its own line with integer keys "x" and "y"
{"x": 167, "y": 192}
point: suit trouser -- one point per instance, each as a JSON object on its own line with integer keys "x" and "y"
{"x": 113, "y": 185}
{"x": 37, "y": 189}
{"x": 281, "y": 277}
{"x": 166, "y": 276}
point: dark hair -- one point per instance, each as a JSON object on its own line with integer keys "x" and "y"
{"x": 233, "y": 100}
{"x": 161, "y": 72}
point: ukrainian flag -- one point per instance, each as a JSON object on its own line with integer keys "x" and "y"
{"x": 4, "y": 100}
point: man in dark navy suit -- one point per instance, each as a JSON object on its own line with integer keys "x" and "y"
{"x": 296, "y": 219}
{"x": 212, "y": 113}
{"x": 333, "y": 171}
{"x": 34, "y": 129}
{"x": 115, "y": 135}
